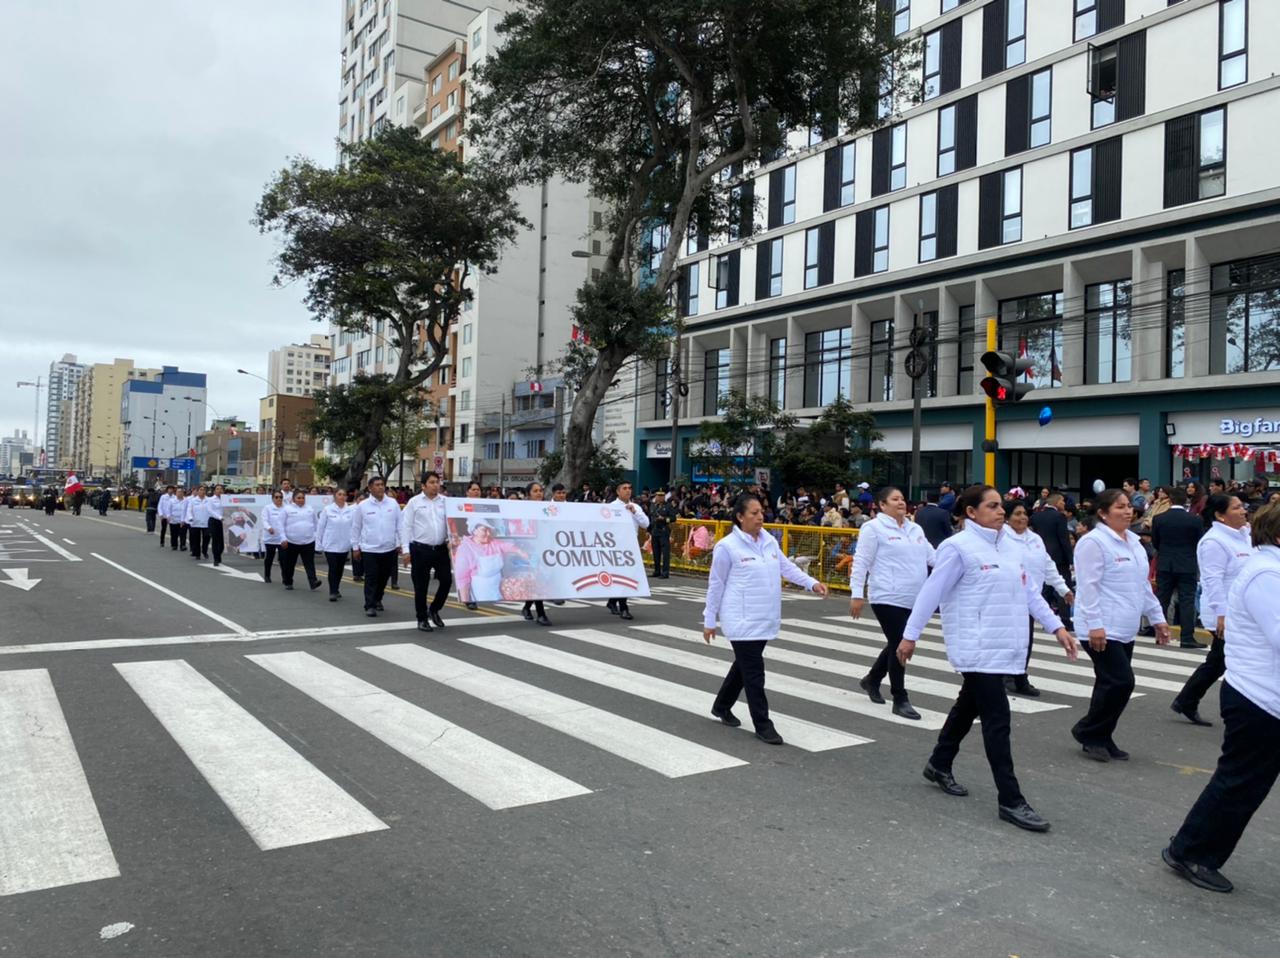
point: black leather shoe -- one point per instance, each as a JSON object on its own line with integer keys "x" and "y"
{"x": 1009, "y": 685}
{"x": 378, "y": 606}
{"x": 945, "y": 781}
{"x": 904, "y": 709}
{"x": 613, "y": 609}
{"x": 424, "y": 627}
{"x": 1024, "y": 816}
{"x": 1202, "y": 876}
{"x": 1196, "y": 646}
{"x": 626, "y": 614}
{"x": 315, "y": 585}
{"x": 1096, "y": 752}
{"x": 1022, "y": 686}
{"x": 370, "y": 613}
{"x": 1116, "y": 752}
{"x": 288, "y": 587}
{"x": 527, "y": 613}
{"x": 543, "y": 620}
{"x": 357, "y": 578}
{"x": 769, "y": 736}
{"x": 726, "y": 716}
{"x": 1191, "y": 715}
{"x": 472, "y": 606}
{"x": 873, "y": 691}
{"x": 435, "y": 618}
{"x": 333, "y": 598}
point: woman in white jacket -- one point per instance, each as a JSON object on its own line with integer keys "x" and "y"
{"x": 1113, "y": 593}
{"x": 333, "y": 538}
{"x": 893, "y": 558}
{"x": 1220, "y": 555}
{"x": 1042, "y": 571}
{"x": 272, "y": 522}
{"x": 744, "y": 591}
{"x": 979, "y": 582}
{"x": 1250, "y": 762}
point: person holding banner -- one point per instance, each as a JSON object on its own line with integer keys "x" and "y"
{"x": 744, "y": 592}
{"x": 299, "y": 542}
{"x": 272, "y": 534}
{"x": 424, "y": 547}
{"x": 216, "y": 540}
{"x": 619, "y": 606}
{"x": 375, "y": 539}
{"x": 479, "y": 560}
{"x": 535, "y": 493}
{"x": 333, "y": 533}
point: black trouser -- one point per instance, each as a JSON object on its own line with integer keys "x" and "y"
{"x": 1246, "y": 772}
{"x": 1057, "y": 602}
{"x": 619, "y": 604}
{"x": 178, "y": 535}
{"x": 1112, "y": 686}
{"x": 151, "y": 519}
{"x": 747, "y": 672}
{"x": 214, "y": 539}
{"x": 425, "y": 559}
{"x": 981, "y": 696}
{"x": 48, "y": 511}
{"x": 1031, "y": 638}
{"x": 1210, "y": 670}
{"x": 271, "y": 548}
{"x": 1184, "y": 583}
{"x": 198, "y": 539}
{"x": 357, "y": 567}
{"x": 892, "y": 619}
{"x": 536, "y": 605}
{"x": 378, "y": 567}
{"x": 289, "y": 561}
{"x": 164, "y": 527}
{"x": 661, "y": 544}
{"x": 337, "y": 562}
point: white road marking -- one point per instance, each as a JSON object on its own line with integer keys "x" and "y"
{"x": 805, "y": 735}
{"x": 115, "y": 930}
{"x": 660, "y": 751}
{"x": 50, "y": 831}
{"x": 279, "y": 797}
{"x": 50, "y": 544}
{"x": 67, "y": 541}
{"x": 489, "y": 773}
{"x": 19, "y": 580}
{"x": 223, "y": 620}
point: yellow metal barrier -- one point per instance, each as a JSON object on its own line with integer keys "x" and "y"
{"x": 826, "y": 554}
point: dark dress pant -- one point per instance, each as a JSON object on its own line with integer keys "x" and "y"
{"x": 982, "y": 696}
{"x": 893, "y": 620}
{"x": 747, "y": 673}
{"x": 1112, "y": 687}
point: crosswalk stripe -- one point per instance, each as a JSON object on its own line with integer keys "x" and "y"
{"x": 50, "y": 831}
{"x": 489, "y": 773}
{"x": 660, "y": 751}
{"x": 279, "y": 797}
{"x": 849, "y": 670}
{"x": 785, "y": 684}
{"x": 805, "y": 735}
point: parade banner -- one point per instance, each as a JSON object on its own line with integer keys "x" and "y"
{"x": 242, "y": 520}
{"x": 507, "y": 550}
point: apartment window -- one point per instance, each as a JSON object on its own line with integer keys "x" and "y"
{"x": 378, "y": 355}
{"x": 880, "y": 382}
{"x": 828, "y": 366}
{"x": 965, "y": 351}
{"x": 715, "y": 380}
{"x": 946, "y": 140}
{"x": 810, "y": 259}
{"x": 742, "y": 208}
{"x": 880, "y": 246}
{"x": 951, "y": 4}
{"x": 838, "y": 176}
{"x": 659, "y": 237}
{"x": 871, "y": 242}
{"x": 1015, "y": 48}
{"x": 1031, "y": 327}
{"x": 1175, "y": 325}
{"x": 769, "y": 269}
{"x": 1028, "y": 105}
{"x": 1244, "y": 322}
{"x": 928, "y": 227}
{"x": 1082, "y": 187}
{"x": 889, "y": 159}
{"x": 464, "y": 465}
{"x": 362, "y": 359}
{"x": 1095, "y": 183}
{"x": 1004, "y": 35}
{"x": 466, "y": 367}
{"x": 467, "y": 332}
{"x": 1108, "y": 342}
{"x": 1195, "y": 157}
{"x": 782, "y": 196}
{"x": 932, "y": 64}
{"x": 454, "y": 69}
{"x": 451, "y": 131}
{"x": 477, "y": 38}
{"x": 778, "y": 372}
{"x": 725, "y": 279}
{"x": 1011, "y": 214}
{"x": 942, "y": 59}
{"x": 695, "y": 286}
{"x": 884, "y": 106}
{"x": 901, "y": 17}
{"x": 451, "y": 100}
{"x": 464, "y": 400}
{"x": 1233, "y": 31}
{"x": 898, "y": 164}
{"x": 1000, "y": 208}
{"x": 1118, "y": 79}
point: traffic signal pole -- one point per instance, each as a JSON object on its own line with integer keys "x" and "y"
{"x": 989, "y": 457}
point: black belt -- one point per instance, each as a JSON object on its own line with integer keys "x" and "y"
{"x": 428, "y": 545}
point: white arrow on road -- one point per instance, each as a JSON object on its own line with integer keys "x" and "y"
{"x": 235, "y": 573}
{"x": 18, "y": 579}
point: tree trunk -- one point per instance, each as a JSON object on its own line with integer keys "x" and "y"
{"x": 578, "y": 445}
{"x": 369, "y": 443}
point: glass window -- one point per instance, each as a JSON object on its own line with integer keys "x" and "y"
{"x": 464, "y": 400}
{"x": 1041, "y": 107}
{"x": 659, "y": 236}
{"x": 1011, "y": 215}
{"x": 789, "y": 195}
{"x": 811, "y": 258}
{"x": 453, "y": 70}
{"x": 436, "y": 82}
{"x": 946, "y": 140}
{"x": 1175, "y": 325}
{"x": 951, "y": 4}
{"x": 901, "y": 17}
{"x": 467, "y": 332}
{"x": 880, "y": 244}
{"x": 715, "y": 380}
{"x": 1031, "y": 327}
{"x": 880, "y": 382}
{"x": 720, "y": 278}
{"x": 928, "y": 227}
{"x": 1233, "y": 43}
{"x": 477, "y": 38}
{"x": 964, "y": 356}
{"x": 775, "y": 267}
{"x": 466, "y": 366}
{"x": 1108, "y": 343}
{"x": 1086, "y": 18}
{"x": 1081, "y": 187}
{"x": 1103, "y": 80}
{"x": 846, "y": 173}
{"x": 1015, "y": 47}
{"x": 695, "y": 286}
{"x": 1213, "y": 153}
{"x": 884, "y": 106}
{"x": 932, "y": 64}
{"x": 898, "y": 159}
{"x": 778, "y": 372}
{"x": 1244, "y": 316}
{"x": 828, "y": 365}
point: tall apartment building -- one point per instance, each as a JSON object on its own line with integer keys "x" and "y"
{"x": 97, "y": 435}
{"x": 1096, "y": 175}
{"x": 161, "y": 417}
{"x": 12, "y": 449}
{"x": 64, "y": 377}
{"x": 299, "y": 369}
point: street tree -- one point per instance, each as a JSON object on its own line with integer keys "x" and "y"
{"x": 840, "y": 446}
{"x": 748, "y": 435}
{"x": 385, "y": 241}
{"x": 661, "y": 105}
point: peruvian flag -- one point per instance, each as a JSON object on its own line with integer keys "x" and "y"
{"x": 73, "y": 485}
{"x": 234, "y": 432}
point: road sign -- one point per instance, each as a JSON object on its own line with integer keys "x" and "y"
{"x": 182, "y": 465}
{"x": 147, "y": 462}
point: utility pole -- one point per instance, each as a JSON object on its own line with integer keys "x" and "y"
{"x": 674, "y": 390}
{"x": 917, "y": 364}
{"x": 502, "y": 444}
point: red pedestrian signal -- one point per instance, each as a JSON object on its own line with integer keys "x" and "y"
{"x": 1003, "y": 370}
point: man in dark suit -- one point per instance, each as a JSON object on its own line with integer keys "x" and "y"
{"x": 1174, "y": 535}
{"x": 933, "y": 520}
{"x": 1050, "y": 524}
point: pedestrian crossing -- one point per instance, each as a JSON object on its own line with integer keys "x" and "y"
{"x": 640, "y": 695}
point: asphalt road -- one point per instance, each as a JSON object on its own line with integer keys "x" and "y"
{"x": 254, "y": 772}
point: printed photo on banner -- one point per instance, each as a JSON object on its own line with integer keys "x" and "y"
{"x": 515, "y": 551}
{"x": 242, "y": 520}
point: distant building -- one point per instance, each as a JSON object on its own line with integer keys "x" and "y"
{"x": 12, "y": 449}
{"x": 64, "y": 376}
{"x": 161, "y": 418}
{"x": 228, "y": 449}
{"x": 285, "y": 443}
{"x": 95, "y": 433}
{"x": 301, "y": 368}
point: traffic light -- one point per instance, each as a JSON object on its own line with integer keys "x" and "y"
{"x": 1003, "y": 370}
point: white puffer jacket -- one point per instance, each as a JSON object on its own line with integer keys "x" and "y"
{"x": 1253, "y": 631}
{"x": 894, "y": 559}
{"x": 1112, "y": 591}
{"x": 744, "y": 590}
{"x": 1041, "y": 570}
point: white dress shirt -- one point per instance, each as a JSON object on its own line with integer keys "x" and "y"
{"x": 423, "y": 521}
{"x": 272, "y": 525}
{"x": 178, "y": 510}
{"x": 333, "y": 529}
{"x": 376, "y": 527}
{"x": 162, "y": 508}
{"x": 299, "y": 525}
{"x": 198, "y": 512}
{"x": 215, "y": 507}
{"x": 637, "y": 516}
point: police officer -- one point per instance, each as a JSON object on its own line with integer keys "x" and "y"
{"x": 661, "y": 516}
{"x": 424, "y": 546}
{"x": 375, "y": 537}
{"x": 153, "y": 510}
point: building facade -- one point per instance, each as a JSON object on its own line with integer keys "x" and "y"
{"x": 13, "y": 449}
{"x": 64, "y": 376}
{"x": 299, "y": 369}
{"x": 161, "y": 418}
{"x": 285, "y": 444}
{"x": 228, "y": 452}
{"x": 97, "y": 435}
{"x": 1093, "y": 176}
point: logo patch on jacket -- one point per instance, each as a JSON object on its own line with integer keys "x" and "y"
{"x": 988, "y": 568}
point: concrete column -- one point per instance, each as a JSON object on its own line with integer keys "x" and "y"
{"x": 739, "y": 352}
{"x": 757, "y": 364}
{"x": 946, "y": 351}
{"x": 1149, "y": 341}
{"x": 1074, "y": 326}
{"x": 1197, "y": 309}
{"x": 795, "y": 364}
{"x": 861, "y": 357}
{"x": 903, "y": 317}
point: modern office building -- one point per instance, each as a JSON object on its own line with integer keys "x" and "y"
{"x": 12, "y": 450}
{"x": 64, "y": 377}
{"x": 96, "y": 434}
{"x": 298, "y": 369}
{"x": 1094, "y": 175}
{"x": 161, "y": 418}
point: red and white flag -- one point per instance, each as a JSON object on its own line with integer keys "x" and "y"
{"x": 234, "y": 432}
{"x": 73, "y": 485}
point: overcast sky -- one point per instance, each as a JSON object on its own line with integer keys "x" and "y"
{"x": 138, "y": 139}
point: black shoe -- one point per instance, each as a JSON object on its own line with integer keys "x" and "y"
{"x": 557, "y": 601}
{"x": 424, "y": 627}
{"x": 1024, "y": 816}
{"x": 357, "y": 578}
{"x": 266, "y": 578}
{"x": 1202, "y": 876}
{"x": 472, "y": 606}
{"x": 1009, "y": 685}
{"x": 216, "y": 564}
{"x": 904, "y": 709}
{"x": 726, "y": 716}
{"x": 316, "y": 584}
{"x": 613, "y": 609}
{"x": 1022, "y": 686}
{"x": 1197, "y": 646}
{"x": 1191, "y": 715}
{"x": 626, "y": 614}
{"x": 1098, "y": 753}
{"x": 378, "y": 606}
{"x": 945, "y": 781}
{"x": 873, "y": 691}
{"x": 769, "y": 736}
{"x": 333, "y": 598}
{"x": 543, "y": 620}
{"x": 434, "y": 616}
{"x": 371, "y": 613}
{"x": 1116, "y": 752}
{"x": 527, "y": 613}
{"x": 288, "y": 587}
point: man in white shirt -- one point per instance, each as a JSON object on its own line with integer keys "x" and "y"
{"x": 375, "y": 535}
{"x": 619, "y": 606}
{"x": 162, "y": 510}
{"x": 216, "y": 540}
{"x": 424, "y": 544}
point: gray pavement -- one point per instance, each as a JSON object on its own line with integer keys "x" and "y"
{"x": 295, "y": 794}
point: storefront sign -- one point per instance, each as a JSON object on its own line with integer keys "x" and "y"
{"x": 1248, "y": 428}
{"x": 1225, "y": 425}
{"x": 657, "y": 448}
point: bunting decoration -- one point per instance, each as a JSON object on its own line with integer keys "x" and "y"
{"x": 1270, "y": 458}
